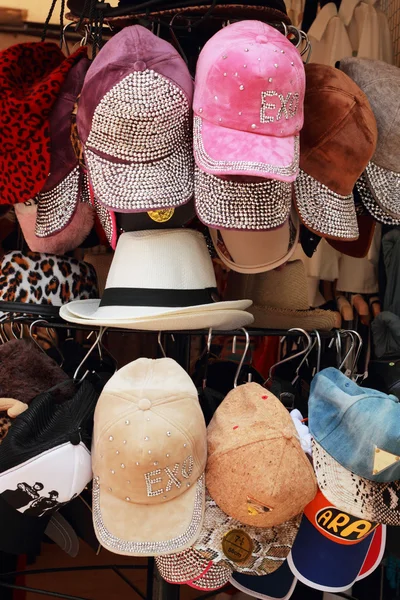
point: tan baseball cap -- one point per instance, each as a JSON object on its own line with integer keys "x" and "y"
{"x": 257, "y": 471}
{"x": 149, "y": 454}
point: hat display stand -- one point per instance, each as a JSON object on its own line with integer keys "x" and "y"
{"x": 177, "y": 346}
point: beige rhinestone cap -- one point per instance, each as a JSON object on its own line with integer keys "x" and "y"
{"x": 257, "y": 472}
{"x": 134, "y": 119}
{"x": 149, "y": 454}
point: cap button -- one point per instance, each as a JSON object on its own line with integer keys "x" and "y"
{"x": 144, "y": 404}
{"x": 139, "y": 65}
{"x": 262, "y": 39}
{"x": 287, "y": 433}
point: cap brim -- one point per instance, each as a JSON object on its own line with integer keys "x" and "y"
{"x": 138, "y": 187}
{"x": 223, "y": 320}
{"x": 323, "y": 211}
{"x": 142, "y": 530}
{"x": 375, "y": 552}
{"x": 278, "y": 585}
{"x": 281, "y": 318}
{"x": 324, "y": 564}
{"x": 385, "y": 187}
{"x": 91, "y": 309}
{"x": 275, "y": 250}
{"x": 264, "y": 548}
{"x": 56, "y": 207}
{"x": 222, "y": 151}
{"x": 372, "y": 206}
{"x": 214, "y": 578}
{"x": 182, "y": 567}
{"x": 365, "y": 499}
{"x": 360, "y": 247}
{"x": 227, "y": 204}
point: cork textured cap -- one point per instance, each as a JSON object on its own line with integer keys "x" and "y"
{"x": 257, "y": 471}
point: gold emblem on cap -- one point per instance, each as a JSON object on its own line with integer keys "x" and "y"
{"x": 237, "y": 545}
{"x": 383, "y": 460}
{"x": 254, "y": 507}
{"x": 161, "y": 216}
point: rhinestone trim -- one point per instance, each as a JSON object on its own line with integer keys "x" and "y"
{"x": 323, "y": 210}
{"x": 108, "y": 540}
{"x": 371, "y": 205}
{"x": 385, "y": 187}
{"x": 106, "y": 220}
{"x": 227, "y": 204}
{"x": 56, "y": 207}
{"x": 259, "y": 168}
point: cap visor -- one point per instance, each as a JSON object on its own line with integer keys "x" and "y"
{"x": 138, "y": 187}
{"x": 323, "y": 211}
{"x": 372, "y": 206}
{"x": 324, "y": 564}
{"x": 182, "y": 567}
{"x": 91, "y": 309}
{"x": 385, "y": 187}
{"x": 365, "y": 499}
{"x": 141, "y": 530}
{"x": 375, "y": 552}
{"x": 214, "y": 578}
{"x": 278, "y": 585}
{"x": 223, "y": 151}
{"x": 57, "y": 206}
{"x": 257, "y": 252}
{"x": 227, "y": 204}
{"x": 223, "y": 320}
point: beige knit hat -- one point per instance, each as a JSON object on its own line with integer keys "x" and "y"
{"x": 257, "y": 471}
{"x": 280, "y": 299}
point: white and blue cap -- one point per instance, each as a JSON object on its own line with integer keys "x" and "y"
{"x": 357, "y": 427}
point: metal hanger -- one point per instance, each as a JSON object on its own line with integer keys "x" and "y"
{"x": 350, "y": 350}
{"x": 240, "y": 365}
{"x": 293, "y": 356}
{"x": 50, "y": 339}
{"x": 208, "y": 352}
{"x": 98, "y": 343}
{"x": 160, "y": 345}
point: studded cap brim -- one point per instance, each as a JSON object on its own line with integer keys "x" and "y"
{"x": 323, "y": 211}
{"x": 365, "y": 499}
{"x": 215, "y": 577}
{"x": 373, "y": 207}
{"x": 182, "y": 567}
{"x": 56, "y": 207}
{"x": 385, "y": 187}
{"x": 227, "y": 204}
{"x": 274, "y": 261}
{"x": 219, "y": 150}
{"x": 131, "y": 535}
{"x": 138, "y": 187}
{"x": 108, "y": 222}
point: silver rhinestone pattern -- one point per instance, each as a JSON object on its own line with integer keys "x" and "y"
{"x": 325, "y": 211}
{"x": 151, "y": 480}
{"x": 259, "y": 168}
{"x": 144, "y": 117}
{"x": 237, "y": 205}
{"x": 108, "y": 540}
{"x": 57, "y": 206}
{"x": 105, "y": 218}
{"x": 182, "y": 566}
{"x": 288, "y": 108}
{"x": 143, "y": 187}
{"x": 385, "y": 187}
{"x": 371, "y": 205}
{"x": 173, "y": 479}
{"x": 187, "y": 467}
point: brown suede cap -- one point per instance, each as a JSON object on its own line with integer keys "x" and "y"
{"x": 338, "y": 139}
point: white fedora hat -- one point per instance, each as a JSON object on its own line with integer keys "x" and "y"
{"x": 159, "y": 280}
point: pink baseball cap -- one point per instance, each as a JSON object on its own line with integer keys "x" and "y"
{"x": 248, "y": 105}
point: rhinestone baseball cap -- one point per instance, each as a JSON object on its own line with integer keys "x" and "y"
{"x": 149, "y": 455}
{"x": 380, "y": 82}
{"x": 337, "y": 141}
{"x": 248, "y": 106}
{"x": 133, "y": 119}
{"x": 58, "y": 200}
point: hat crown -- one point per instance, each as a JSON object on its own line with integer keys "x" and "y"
{"x": 249, "y": 77}
{"x": 162, "y": 260}
{"x": 150, "y": 434}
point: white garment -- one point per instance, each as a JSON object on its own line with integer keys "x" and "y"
{"x": 368, "y": 30}
{"x": 329, "y": 38}
{"x": 302, "y": 431}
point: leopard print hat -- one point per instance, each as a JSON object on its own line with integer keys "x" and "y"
{"x": 38, "y": 278}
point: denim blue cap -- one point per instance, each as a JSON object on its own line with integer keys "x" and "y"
{"x": 358, "y": 427}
